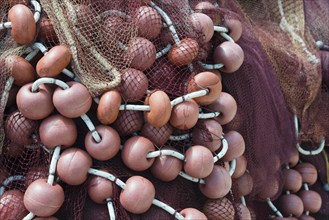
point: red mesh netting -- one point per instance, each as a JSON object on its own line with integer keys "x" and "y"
{"x": 126, "y": 46}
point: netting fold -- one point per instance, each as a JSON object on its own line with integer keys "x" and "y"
{"x": 281, "y": 91}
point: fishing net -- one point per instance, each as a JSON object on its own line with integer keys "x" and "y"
{"x": 127, "y": 47}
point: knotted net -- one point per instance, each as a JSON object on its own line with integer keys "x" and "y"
{"x": 283, "y": 75}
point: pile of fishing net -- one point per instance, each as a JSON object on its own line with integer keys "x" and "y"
{"x": 164, "y": 109}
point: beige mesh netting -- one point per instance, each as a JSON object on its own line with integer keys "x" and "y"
{"x": 98, "y": 56}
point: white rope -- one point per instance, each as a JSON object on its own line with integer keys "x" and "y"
{"x": 48, "y": 80}
{"x": 189, "y": 96}
{"x": 163, "y": 52}
{"x": 91, "y": 128}
{"x": 37, "y": 10}
{"x": 190, "y": 178}
{"x": 285, "y": 26}
{"x": 272, "y": 206}
{"x": 223, "y": 151}
{"x": 168, "y": 209}
{"x": 122, "y": 185}
{"x": 232, "y": 167}
{"x": 168, "y": 21}
{"x": 221, "y": 29}
{"x": 208, "y": 115}
{"x": 180, "y": 137}
{"x": 29, "y": 216}
{"x": 9, "y": 180}
{"x": 110, "y": 207}
{"x": 53, "y": 164}
{"x": 166, "y": 153}
{"x": 302, "y": 150}
{"x": 208, "y": 66}
{"x": 36, "y": 15}
{"x": 243, "y": 200}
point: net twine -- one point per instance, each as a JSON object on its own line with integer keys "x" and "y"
{"x": 293, "y": 59}
{"x": 70, "y": 35}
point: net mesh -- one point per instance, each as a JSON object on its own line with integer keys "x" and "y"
{"x": 283, "y": 74}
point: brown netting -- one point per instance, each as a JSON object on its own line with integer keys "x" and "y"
{"x": 219, "y": 208}
{"x": 287, "y": 31}
{"x": 20, "y": 156}
{"x": 316, "y": 17}
{"x": 16, "y": 161}
{"x": 76, "y": 26}
{"x": 320, "y": 161}
{"x": 256, "y": 90}
{"x": 296, "y": 29}
{"x": 8, "y": 48}
{"x": 283, "y": 74}
{"x": 128, "y": 122}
